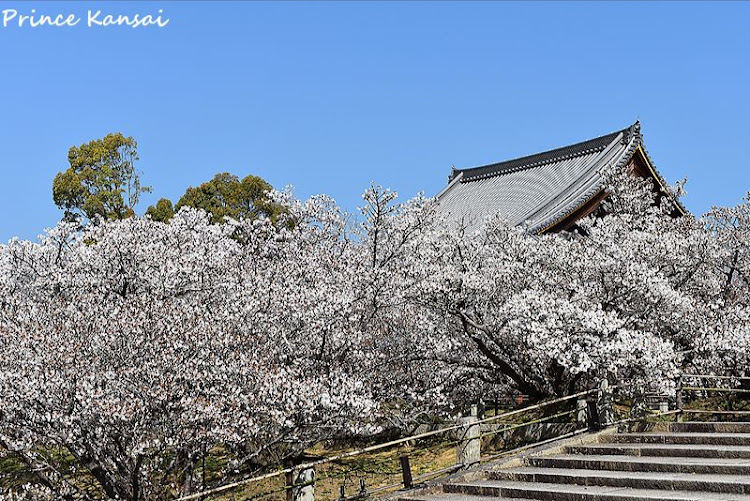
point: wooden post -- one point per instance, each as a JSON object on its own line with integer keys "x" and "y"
{"x": 604, "y": 404}
{"x": 663, "y": 405}
{"x": 468, "y": 451}
{"x": 300, "y": 485}
{"x": 678, "y": 398}
{"x": 203, "y": 467}
{"x": 582, "y": 412}
{"x": 406, "y": 472}
{"x": 592, "y": 415}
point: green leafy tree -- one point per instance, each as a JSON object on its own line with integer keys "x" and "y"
{"x": 101, "y": 180}
{"x": 162, "y": 211}
{"x": 225, "y": 196}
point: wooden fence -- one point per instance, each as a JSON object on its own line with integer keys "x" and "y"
{"x": 592, "y": 410}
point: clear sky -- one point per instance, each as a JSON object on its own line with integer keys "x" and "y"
{"x": 329, "y": 96}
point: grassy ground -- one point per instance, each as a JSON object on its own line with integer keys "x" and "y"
{"x": 719, "y": 402}
{"x": 383, "y": 469}
{"x": 377, "y": 469}
{"x": 14, "y": 473}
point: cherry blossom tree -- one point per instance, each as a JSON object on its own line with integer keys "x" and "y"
{"x": 134, "y": 346}
{"x": 627, "y": 296}
{"x": 725, "y": 344}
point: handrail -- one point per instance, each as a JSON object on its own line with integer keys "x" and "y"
{"x": 537, "y": 406}
{"x": 715, "y": 377}
{"x": 376, "y": 447}
{"x": 705, "y": 388}
{"x": 528, "y": 423}
{"x": 418, "y": 478}
{"x": 703, "y": 411}
{"x": 529, "y": 446}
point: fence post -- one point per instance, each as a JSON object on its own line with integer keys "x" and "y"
{"x": 678, "y": 398}
{"x": 300, "y": 485}
{"x": 663, "y": 405}
{"x": 592, "y": 415}
{"x": 582, "y": 412}
{"x": 469, "y": 445}
{"x": 604, "y": 404}
{"x": 406, "y": 472}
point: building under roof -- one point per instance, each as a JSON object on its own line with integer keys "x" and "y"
{"x": 548, "y": 191}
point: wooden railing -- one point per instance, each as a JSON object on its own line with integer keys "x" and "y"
{"x": 467, "y": 436}
{"x": 694, "y": 388}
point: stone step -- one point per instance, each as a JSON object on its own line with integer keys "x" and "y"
{"x": 733, "y": 484}
{"x": 679, "y": 438}
{"x": 568, "y": 492}
{"x": 709, "y": 427}
{"x": 692, "y": 461}
{"x": 441, "y": 497}
{"x": 450, "y": 497}
{"x": 664, "y": 450}
{"x": 643, "y": 464}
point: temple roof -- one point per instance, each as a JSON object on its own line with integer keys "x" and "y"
{"x": 538, "y": 191}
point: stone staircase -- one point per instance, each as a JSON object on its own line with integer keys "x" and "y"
{"x": 677, "y": 461}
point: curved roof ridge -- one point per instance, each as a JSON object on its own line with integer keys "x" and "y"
{"x": 530, "y": 161}
{"x": 542, "y": 190}
{"x": 620, "y": 160}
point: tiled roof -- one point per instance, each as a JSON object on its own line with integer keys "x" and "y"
{"x": 574, "y": 150}
{"x": 539, "y": 190}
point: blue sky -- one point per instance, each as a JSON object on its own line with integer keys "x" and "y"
{"x": 329, "y": 96}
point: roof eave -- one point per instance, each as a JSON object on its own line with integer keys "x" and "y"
{"x": 636, "y": 146}
{"x": 455, "y": 180}
{"x": 660, "y": 179}
{"x": 634, "y": 142}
